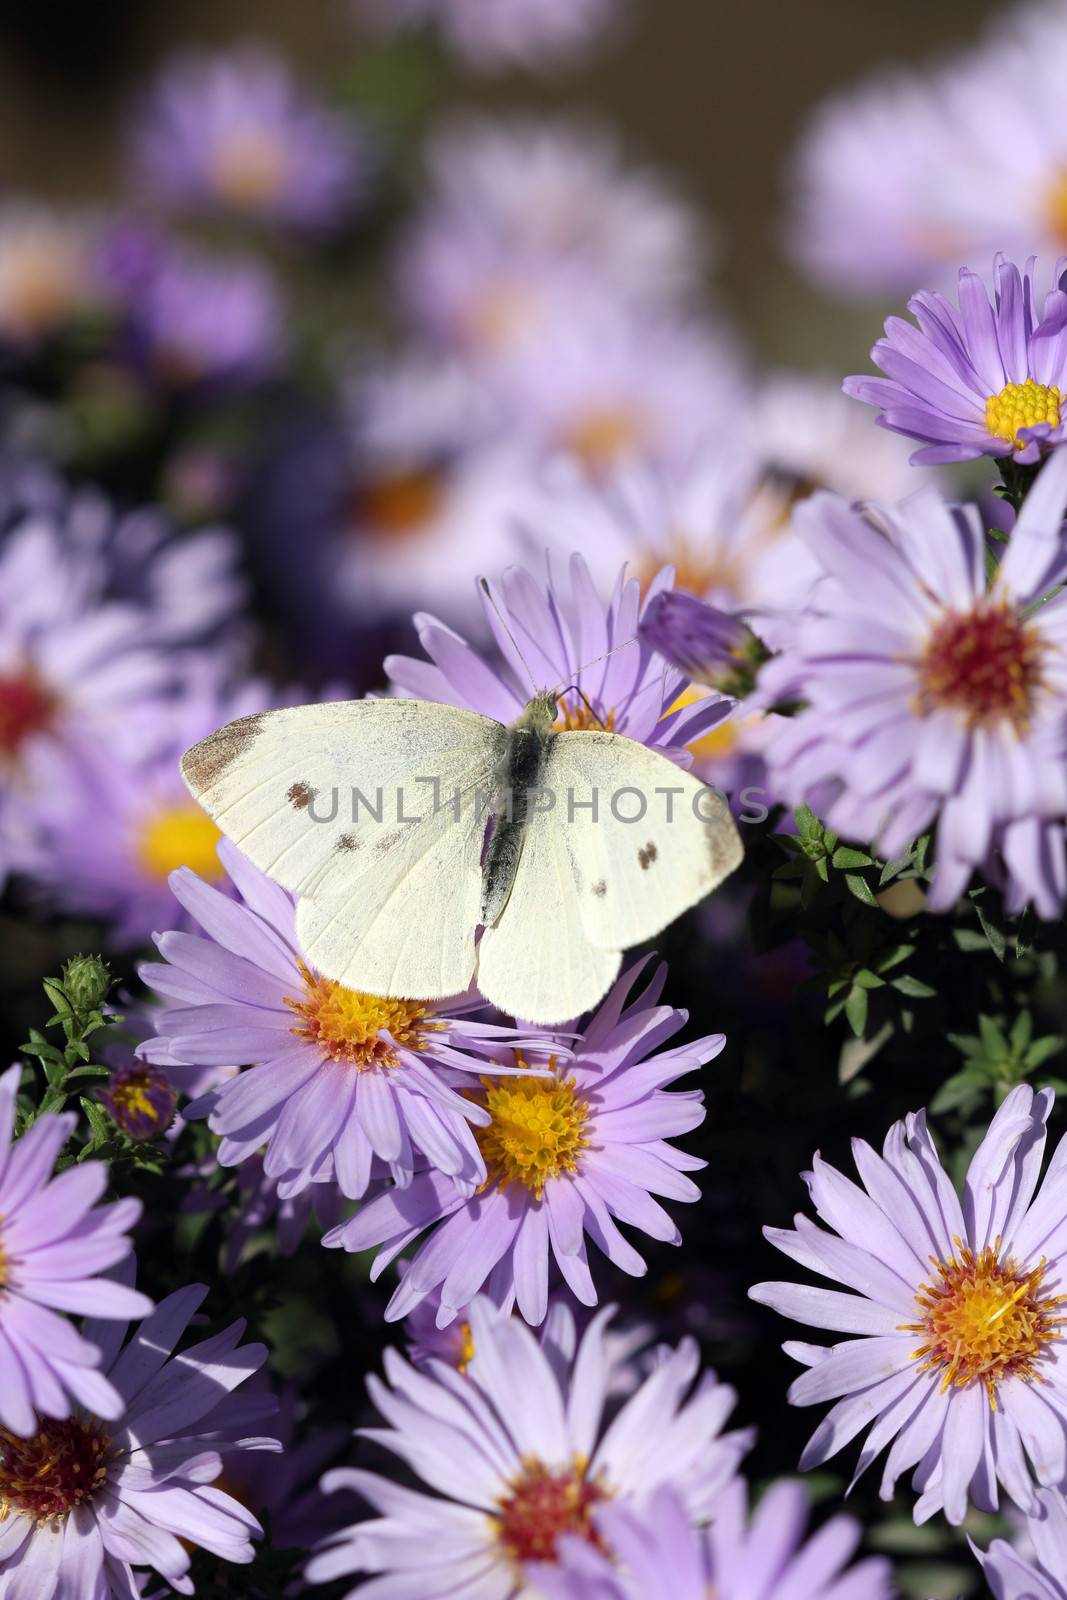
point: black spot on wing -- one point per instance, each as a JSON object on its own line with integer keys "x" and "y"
{"x": 346, "y": 842}
{"x": 646, "y": 855}
{"x": 206, "y": 762}
{"x": 301, "y": 795}
{"x": 599, "y": 889}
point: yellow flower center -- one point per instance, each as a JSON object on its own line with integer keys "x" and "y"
{"x": 1021, "y": 405}
{"x": 984, "y": 664}
{"x": 250, "y": 169}
{"x": 543, "y": 1506}
{"x": 58, "y": 1468}
{"x": 700, "y": 567}
{"x": 604, "y": 437}
{"x": 179, "y": 836}
{"x": 398, "y": 504}
{"x": 578, "y": 715}
{"x": 347, "y": 1025}
{"x": 466, "y": 1347}
{"x": 984, "y": 1320}
{"x": 537, "y": 1131}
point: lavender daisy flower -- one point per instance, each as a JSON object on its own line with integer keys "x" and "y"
{"x": 519, "y": 214}
{"x": 983, "y": 380}
{"x": 567, "y": 1155}
{"x": 1039, "y": 1570}
{"x": 201, "y": 320}
{"x": 137, "y": 811}
{"x": 425, "y": 501}
{"x": 339, "y": 1081}
{"x": 87, "y": 1501}
{"x": 565, "y": 637}
{"x": 55, "y": 1242}
{"x": 958, "y": 1309}
{"x": 517, "y": 1456}
{"x": 494, "y": 35}
{"x": 657, "y": 1554}
{"x": 935, "y": 694}
{"x": 610, "y": 390}
{"x": 234, "y": 133}
{"x": 75, "y": 666}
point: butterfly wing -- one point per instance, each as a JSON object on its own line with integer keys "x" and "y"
{"x": 537, "y": 962}
{"x": 391, "y": 883}
{"x": 660, "y": 840}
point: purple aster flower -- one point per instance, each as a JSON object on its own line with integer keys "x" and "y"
{"x": 899, "y": 180}
{"x": 653, "y": 1552}
{"x": 935, "y": 694}
{"x": 567, "y": 1155}
{"x": 234, "y": 133}
{"x": 494, "y": 35}
{"x": 207, "y": 320}
{"x": 958, "y": 1306}
{"x": 86, "y": 1501}
{"x": 339, "y": 1081}
{"x": 981, "y": 380}
{"x": 517, "y": 1455}
{"x": 424, "y": 501}
{"x": 607, "y": 676}
{"x": 610, "y": 390}
{"x": 55, "y": 1242}
{"x": 519, "y": 214}
{"x": 75, "y": 664}
{"x": 137, "y": 812}
{"x": 1038, "y": 1571}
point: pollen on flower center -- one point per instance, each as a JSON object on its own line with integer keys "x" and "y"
{"x": 985, "y": 663}
{"x": 602, "y": 437}
{"x": 60, "y": 1467}
{"x": 26, "y": 708}
{"x": 577, "y": 717}
{"x": 542, "y": 1506}
{"x": 984, "y": 1319}
{"x": 179, "y": 836}
{"x": 250, "y": 168}
{"x": 699, "y": 568}
{"x": 347, "y": 1025}
{"x": 1021, "y": 405}
{"x": 398, "y": 504}
{"x": 537, "y": 1131}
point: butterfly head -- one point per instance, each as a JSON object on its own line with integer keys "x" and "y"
{"x": 540, "y": 713}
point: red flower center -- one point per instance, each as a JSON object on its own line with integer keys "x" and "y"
{"x": 985, "y": 663}
{"x": 542, "y": 1507}
{"x": 26, "y": 707}
{"x": 60, "y": 1467}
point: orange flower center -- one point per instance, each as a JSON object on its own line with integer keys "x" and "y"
{"x": 984, "y": 1320}
{"x": 542, "y": 1506}
{"x": 985, "y": 664}
{"x": 576, "y": 716}
{"x": 59, "y": 1468}
{"x": 398, "y": 504}
{"x": 347, "y": 1025}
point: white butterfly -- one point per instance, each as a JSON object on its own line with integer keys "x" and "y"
{"x": 375, "y": 813}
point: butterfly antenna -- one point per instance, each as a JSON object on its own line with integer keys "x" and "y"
{"x": 483, "y": 584}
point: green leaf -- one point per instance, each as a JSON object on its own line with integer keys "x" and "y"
{"x": 860, "y": 888}
{"x": 995, "y": 935}
{"x": 856, "y": 1010}
{"x": 913, "y": 987}
{"x": 845, "y": 856}
{"x": 868, "y": 979}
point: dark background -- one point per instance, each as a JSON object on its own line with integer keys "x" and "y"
{"x": 711, "y": 92}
